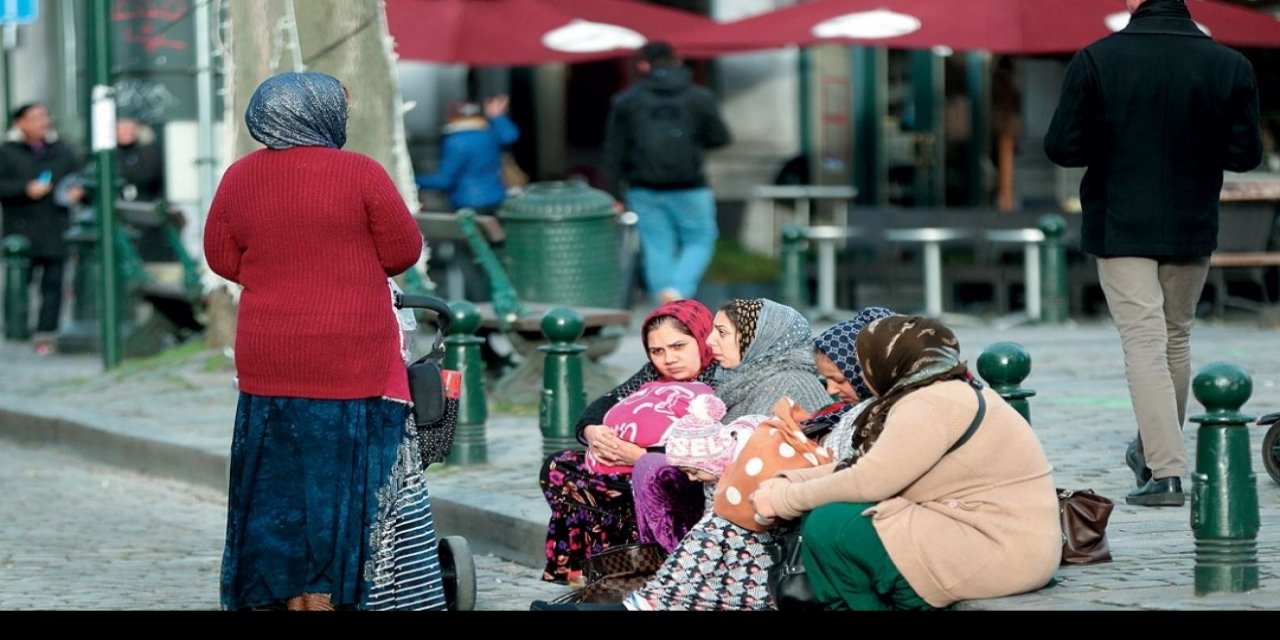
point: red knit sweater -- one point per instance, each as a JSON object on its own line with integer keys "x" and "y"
{"x": 312, "y": 234}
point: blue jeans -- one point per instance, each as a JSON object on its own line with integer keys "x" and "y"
{"x": 677, "y": 236}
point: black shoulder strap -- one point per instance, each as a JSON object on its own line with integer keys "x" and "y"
{"x": 977, "y": 419}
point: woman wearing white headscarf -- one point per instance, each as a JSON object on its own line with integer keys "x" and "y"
{"x": 327, "y": 507}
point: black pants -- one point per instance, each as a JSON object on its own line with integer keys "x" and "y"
{"x": 50, "y": 291}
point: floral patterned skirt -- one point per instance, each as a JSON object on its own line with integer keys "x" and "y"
{"x": 590, "y": 512}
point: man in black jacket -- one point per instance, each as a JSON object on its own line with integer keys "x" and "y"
{"x": 655, "y": 142}
{"x": 1157, "y": 112}
{"x": 32, "y": 164}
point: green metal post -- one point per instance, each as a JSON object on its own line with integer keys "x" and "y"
{"x": 977, "y": 150}
{"x": 102, "y": 130}
{"x": 563, "y": 395}
{"x": 1224, "y": 495}
{"x": 871, "y": 167}
{"x": 83, "y": 334}
{"x": 1004, "y": 365}
{"x": 17, "y": 278}
{"x": 791, "y": 271}
{"x": 1053, "y": 270}
{"x": 462, "y": 354}
{"x": 804, "y": 65}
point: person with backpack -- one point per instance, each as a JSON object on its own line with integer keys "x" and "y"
{"x": 655, "y": 145}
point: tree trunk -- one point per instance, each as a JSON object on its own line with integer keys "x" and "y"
{"x": 347, "y": 39}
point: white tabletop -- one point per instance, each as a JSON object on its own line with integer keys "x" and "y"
{"x": 926, "y": 234}
{"x": 1015, "y": 235}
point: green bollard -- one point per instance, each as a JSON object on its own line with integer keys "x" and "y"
{"x": 17, "y": 277}
{"x": 1053, "y": 270}
{"x": 564, "y": 396}
{"x": 1004, "y": 365}
{"x": 462, "y": 354}
{"x": 791, "y": 268}
{"x": 83, "y": 334}
{"x": 1224, "y": 495}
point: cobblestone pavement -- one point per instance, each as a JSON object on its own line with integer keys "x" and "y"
{"x": 86, "y": 536}
{"x": 170, "y": 417}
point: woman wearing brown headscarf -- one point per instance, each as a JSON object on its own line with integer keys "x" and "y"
{"x": 913, "y": 523}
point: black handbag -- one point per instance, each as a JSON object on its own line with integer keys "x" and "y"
{"x": 787, "y": 579}
{"x": 433, "y": 389}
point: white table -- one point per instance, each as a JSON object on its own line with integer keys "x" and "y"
{"x": 1031, "y": 239}
{"x": 824, "y": 239}
{"x": 931, "y": 238}
{"x": 805, "y": 196}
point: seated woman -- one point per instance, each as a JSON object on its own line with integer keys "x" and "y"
{"x": 911, "y": 523}
{"x": 837, "y": 363}
{"x": 592, "y": 511}
{"x": 765, "y": 351}
{"x": 719, "y": 565}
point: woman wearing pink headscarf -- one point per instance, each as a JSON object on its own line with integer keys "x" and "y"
{"x": 590, "y": 491}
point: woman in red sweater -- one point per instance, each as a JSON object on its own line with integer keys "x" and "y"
{"x": 325, "y": 479}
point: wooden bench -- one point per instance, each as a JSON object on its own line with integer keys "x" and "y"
{"x": 444, "y": 233}
{"x": 1246, "y": 248}
{"x": 177, "y": 303}
{"x": 1222, "y": 260}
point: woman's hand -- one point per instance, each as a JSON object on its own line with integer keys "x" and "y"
{"x": 762, "y": 498}
{"x": 628, "y": 452}
{"x": 605, "y": 445}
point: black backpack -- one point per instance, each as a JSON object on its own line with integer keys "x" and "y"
{"x": 667, "y": 147}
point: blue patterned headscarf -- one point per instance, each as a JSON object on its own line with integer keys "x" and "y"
{"x": 307, "y": 109}
{"x": 837, "y": 343}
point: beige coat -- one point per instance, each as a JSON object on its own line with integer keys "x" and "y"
{"x": 980, "y": 522}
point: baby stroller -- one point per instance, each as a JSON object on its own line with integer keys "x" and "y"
{"x": 1271, "y": 445}
{"x": 435, "y": 392}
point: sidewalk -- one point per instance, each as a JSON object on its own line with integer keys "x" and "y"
{"x": 172, "y": 416}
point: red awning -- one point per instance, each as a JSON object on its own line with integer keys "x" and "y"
{"x": 999, "y": 26}
{"x": 529, "y": 32}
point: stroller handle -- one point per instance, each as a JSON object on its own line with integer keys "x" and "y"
{"x": 430, "y": 303}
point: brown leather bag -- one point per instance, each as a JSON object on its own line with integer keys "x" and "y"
{"x": 1084, "y": 526}
{"x": 617, "y": 571}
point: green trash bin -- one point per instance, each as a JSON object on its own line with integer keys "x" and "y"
{"x": 562, "y": 245}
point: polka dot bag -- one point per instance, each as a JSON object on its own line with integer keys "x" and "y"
{"x": 776, "y": 445}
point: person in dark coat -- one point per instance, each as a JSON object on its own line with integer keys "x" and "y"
{"x": 656, "y": 139}
{"x": 1156, "y": 112}
{"x": 141, "y": 167}
{"x": 33, "y": 162}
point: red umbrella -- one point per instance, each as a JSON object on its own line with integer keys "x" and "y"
{"x": 529, "y": 32}
{"x": 999, "y": 26}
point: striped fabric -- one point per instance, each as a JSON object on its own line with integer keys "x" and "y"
{"x": 404, "y": 568}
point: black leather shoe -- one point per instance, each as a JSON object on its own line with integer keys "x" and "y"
{"x": 1159, "y": 492}
{"x": 1141, "y": 472}
{"x": 543, "y": 605}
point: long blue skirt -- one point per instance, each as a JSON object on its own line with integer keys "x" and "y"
{"x": 328, "y": 496}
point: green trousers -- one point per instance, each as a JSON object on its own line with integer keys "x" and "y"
{"x": 847, "y": 564}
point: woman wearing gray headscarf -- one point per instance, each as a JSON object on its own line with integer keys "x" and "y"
{"x": 327, "y": 507}
{"x": 765, "y": 351}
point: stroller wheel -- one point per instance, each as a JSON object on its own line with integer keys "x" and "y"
{"x": 459, "y": 571}
{"x": 1271, "y": 451}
